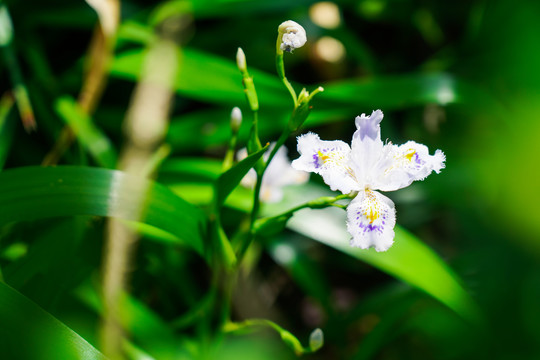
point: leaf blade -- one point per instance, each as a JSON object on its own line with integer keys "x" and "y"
{"x": 37, "y": 193}
{"x": 230, "y": 179}
{"x": 409, "y": 259}
{"x": 43, "y": 336}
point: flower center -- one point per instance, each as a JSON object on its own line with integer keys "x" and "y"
{"x": 410, "y": 154}
{"x": 323, "y": 157}
{"x": 371, "y": 212}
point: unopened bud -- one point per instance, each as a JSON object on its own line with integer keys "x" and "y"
{"x": 293, "y": 35}
{"x": 241, "y": 60}
{"x": 6, "y": 27}
{"x": 236, "y": 119}
{"x": 316, "y": 339}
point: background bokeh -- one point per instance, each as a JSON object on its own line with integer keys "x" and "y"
{"x": 461, "y": 76}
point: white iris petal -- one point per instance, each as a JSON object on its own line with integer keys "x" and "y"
{"x": 330, "y": 159}
{"x": 366, "y": 166}
{"x": 371, "y": 218}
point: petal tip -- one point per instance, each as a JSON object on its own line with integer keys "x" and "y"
{"x": 439, "y": 160}
{"x": 369, "y": 125}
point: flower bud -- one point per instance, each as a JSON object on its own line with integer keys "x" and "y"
{"x": 293, "y": 35}
{"x": 6, "y": 27}
{"x": 236, "y": 119}
{"x": 241, "y": 60}
{"x": 316, "y": 339}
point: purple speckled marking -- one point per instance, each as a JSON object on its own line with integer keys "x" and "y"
{"x": 417, "y": 159}
{"x": 316, "y": 161}
{"x": 371, "y": 227}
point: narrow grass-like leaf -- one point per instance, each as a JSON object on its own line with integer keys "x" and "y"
{"x": 399, "y": 91}
{"x": 230, "y": 179}
{"x": 408, "y": 259}
{"x": 92, "y": 138}
{"x": 28, "y": 332}
{"x": 145, "y": 327}
{"x": 36, "y": 193}
{"x": 207, "y": 77}
{"x": 200, "y": 168}
{"x": 217, "y": 80}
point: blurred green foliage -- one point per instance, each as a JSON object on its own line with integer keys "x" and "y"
{"x": 463, "y": 279}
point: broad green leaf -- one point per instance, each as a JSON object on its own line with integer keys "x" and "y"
{"x": 199, "y": 168}
{"x": 408, "y": 259}
{"x": 207, "y": 77}
{"x": 341, "y": 101}
{"x": 49, "y": 262}
{"x": 92, "y": 138}
{"x": 217, "y": 80}
{"x": 230, "y": 179}
{"x": 202, "y": 194}
{"x": 145, "y": 327}
{"x": 400, "y": 91}
{"x": 36, "y": 193}
{"x": 223, "y": 8}
{"x": 28, "y": 332}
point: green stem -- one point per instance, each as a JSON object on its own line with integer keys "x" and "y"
{"x": 257, "y": 191}
{"x": 319, "y": 203}
{"x": 288, "y": 338}
{"x": 280, "y": 67}
{"x": 229, "y": 155}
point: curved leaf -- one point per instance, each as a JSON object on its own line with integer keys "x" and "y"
{"x": 230, "y": 179}
{"x": 28, "y": 332}
{"x": 36, "y": 193}
{"x": 207, "y": 77}
{"x": 408, "y": 259}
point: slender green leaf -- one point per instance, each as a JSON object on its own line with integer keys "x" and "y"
{"x": 199, "y": 168}
{"x": 91, "y": 137}
{"x": 202, "y": 194}
{"x": 145, "y": 327}
{"x": 408, "y": 259}
{"x": 217, "y": 80}
{"x": 28, "y": 332}
{"x": 399, "y": 91}
{"x": 230, "y": 179}
{"x": 207, "y": 77}
{"x": 36, "y": 193}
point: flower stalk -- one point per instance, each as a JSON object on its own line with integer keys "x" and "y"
{"x": 291, "y": 35}
{"x": 315, "y": 342}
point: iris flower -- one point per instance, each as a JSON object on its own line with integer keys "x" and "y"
{"x": 365, "y": 167}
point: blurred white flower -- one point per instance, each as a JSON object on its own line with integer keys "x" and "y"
{"x": 293, "y": 35}
{"x": 278, "y": 174}
{"x": 368, "y": 166}
{"x": 236, "y": 118}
